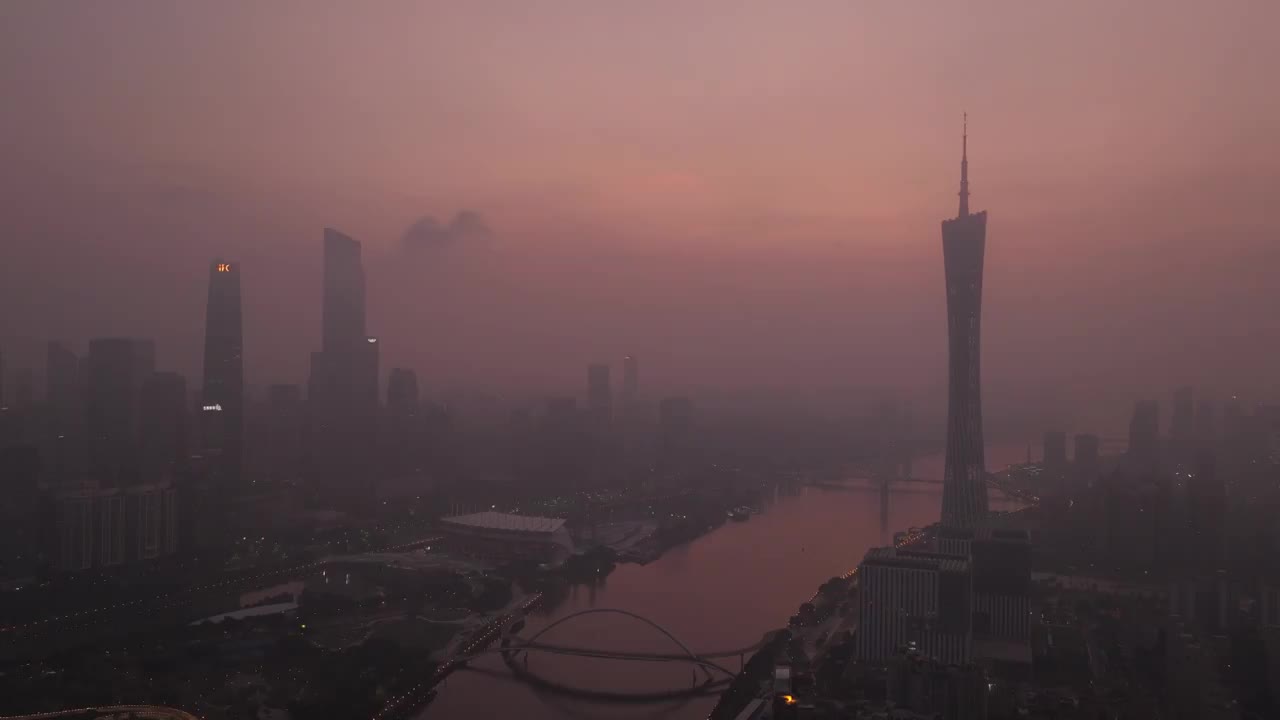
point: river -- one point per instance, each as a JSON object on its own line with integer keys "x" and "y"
{"x": 723, "y": 590}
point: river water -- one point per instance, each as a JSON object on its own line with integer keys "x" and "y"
{"x": 723, "y": 590}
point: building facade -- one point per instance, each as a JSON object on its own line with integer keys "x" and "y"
{"x": 222, "y": 389}
{"x": 917, "y": 599}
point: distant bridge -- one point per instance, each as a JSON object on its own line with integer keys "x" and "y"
{"x": 993, "y": 481}
{"x": 714, "y": 675}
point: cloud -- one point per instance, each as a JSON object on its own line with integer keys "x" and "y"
{"x": 426, "y": 233}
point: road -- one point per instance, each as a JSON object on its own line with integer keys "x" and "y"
{"x": 405, "y": 702}
{"x": 165, "y": 600}
{"x": 147, "y": 712}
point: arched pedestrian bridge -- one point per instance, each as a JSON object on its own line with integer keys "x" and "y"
{"x": 708, "y": 676}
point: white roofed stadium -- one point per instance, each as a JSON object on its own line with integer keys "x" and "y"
{"x": 501, "y": 537}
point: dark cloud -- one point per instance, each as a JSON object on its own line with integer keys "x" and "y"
{"x": 467, "y": 228}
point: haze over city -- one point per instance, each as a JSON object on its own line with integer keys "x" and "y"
{"x": 838, "y": 360}
{"x": 748, "y": 195}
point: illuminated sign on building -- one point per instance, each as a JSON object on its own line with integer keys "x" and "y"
{"x": 224, "y": 267}
{"x": 213, "y": 408}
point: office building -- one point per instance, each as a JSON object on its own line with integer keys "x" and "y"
{"x": 1206, "y": 514}
{"x": 107, "y": 527}
{"x": 599, "y": 394}
{"x": 222, "y": 391}
{"x": 1182, "y": 426}
{"x": 22, "y": 396}
{"x": 62, "y": 383}
{"x": 117, "y": 367}
{"x": 342, "y": 391}
{"x": 1206, "y": 428}
{"x": 1144, "y": 436}
{"x": 283, "y": 450}
{"x": 919, "y": 598}
{"x": 64, "y": 398}
{"x": 630, "y": 381}
{"x": 931, "y": 689}
{"x": 1055, "y": 450}
{"x": 404, "y": 439}
{"x": 162, "y": 422}
{"x": 402, "y": 391}
{"x": 1002, "y": 585}
{"x": 343, "y": 302}
{"x": 964, "y": 491}
{"x": 1086, "y": 459}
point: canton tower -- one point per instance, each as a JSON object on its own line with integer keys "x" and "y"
{"x": 964, "y": 490}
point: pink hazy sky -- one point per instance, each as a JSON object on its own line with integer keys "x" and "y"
{"x": 741, "y": 192}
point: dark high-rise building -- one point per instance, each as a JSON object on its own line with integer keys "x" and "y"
{"x": 1182, "y": 427}
{"x": 1086, "y": 459}
{"x": 1055, "y": 450}
{"x": 1207, "y": 506}
{"x": 928, "y": 688}
{"x": 1144, "y": 435}
{"x": 630, "y": 381}
{"x": 599, "y": 393}
{"x": 117, "y": 367}
{"x": 62, "y": 383}
{"x": 222, "y": 392}
{"x": 64, "y": 397}
{"x": 342, "y": 311}
{"x": 342, "y": 391}
{"x": 402, "y": 391}
{"x": 404, "y": 438}
{"x": 283, "y": 440}
{"x": 964, "y": 490}
{"x": 1206, "y": 428}
{"x": 919, "y": 598}
{"x": 1002, "y": 584}
{"x": 22, "y": 395}
{"x": 162, "y": 424}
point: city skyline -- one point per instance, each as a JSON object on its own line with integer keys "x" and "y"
{"x": 678, "y": 213}
{"x": 339, "y": 312}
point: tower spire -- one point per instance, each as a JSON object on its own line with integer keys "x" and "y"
{"x": 964, "y": 169}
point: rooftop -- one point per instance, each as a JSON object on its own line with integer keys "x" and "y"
{"x": 895, "y": 557}
{"x": 490, "y": 520}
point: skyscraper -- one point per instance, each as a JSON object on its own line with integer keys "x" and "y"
{"x": 964, "y": 490}
{"x": 599, "y": 393}
{"x": 343, "y": 296}
{"x": 22, "y": 394}
{"x": 117, "y": 367}
{"x": 1086, "y": 460}
{"x": 162, "y": 420}
{"x": 1055, "y": 450}
{"x": 62, "y": 382}
{"x": 630, "y": 381}
{"x": 402, "y": 391}
{"x": 1207, "y": 505}
{"x": 64, "y": 440}
{"x": 342, "y": 391}
{"x": 222, "y": 392}
{"x": 914, "y": 597}
{"x": 1144, "y": 436}
{"x": 1182, "y": 427}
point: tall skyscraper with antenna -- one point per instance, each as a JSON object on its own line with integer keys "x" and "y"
{"x": 964, "y": 491}
{"x": 222, "y": 389}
